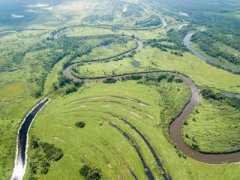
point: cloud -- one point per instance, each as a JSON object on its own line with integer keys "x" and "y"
{"x": 15, "y": 16}
{"x": 183, "y": 14}
{"x": 39, "y": 5}
{"x": 43, "y": 6}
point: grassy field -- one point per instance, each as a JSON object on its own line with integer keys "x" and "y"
{"x": 15, "y": 100}
{"x": 111, "y": 50}
{"x": 16, "y": 94}
{"x": 107, "y": 69}
{"x": 32, "y": 61}
{"x": 202, "y": 73}
{"x": 99, "y": 141}
{"x": 221, "y": 127}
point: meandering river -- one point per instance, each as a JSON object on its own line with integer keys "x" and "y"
{"x": 175, "y": 129}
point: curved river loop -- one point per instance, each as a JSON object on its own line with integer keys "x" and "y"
{"x": 174, "y": 128}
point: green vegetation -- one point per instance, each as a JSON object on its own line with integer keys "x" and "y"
{"x": 49, "y": 39}
{"x": 220, "y": 47}
{"x": 172, "y": 42}
{"x": 41, "y": 157}
{"x": 90, "y": 173}
{"x": 116, "y": 156}
{"x": 110, "y": 80}
{"x": 213, "y": 128}
{"x": 218, "y": 115}
{"x": 80, "y": 124}
{"x": 231, "y": 101}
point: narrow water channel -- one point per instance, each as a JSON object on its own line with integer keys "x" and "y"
{"x": 20, "y": 160}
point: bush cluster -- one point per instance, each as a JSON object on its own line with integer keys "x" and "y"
{"x": 80, "y": 124}
{"x": 110, "y": 80}
{"x": 231, "y": 101}
{"x": 90, "y": 173}
{"x": 42, "y": 154}
{"x": 64, "y": 81}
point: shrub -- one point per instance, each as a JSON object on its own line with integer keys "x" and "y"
{"x": 195, "y": 145}
{"x": 209, "y": 94}
{"x": 85, "y": 170}
{"x": 178, "y": 80}
{"x": 110, "y": 80}
{"x": 94, "y": 174}
{"x": 90, "y": 173}
{"x": 231, "y": 101}
{"x": 234, "y": 102}
{"x": 34, "y": 143}
{"x": 64, "y": 80}
{"x": 45, "y": 167}
{"x": 38, "y": 93}
{"x": 161, "y": 77}
{"x": 170, "y": 79}
{"x": 52, "y": 152}
{"x": 70, "y": 90}
{"x": 77, "y": 84}
{"x": 136, "y": 76}
{"x": 80, "y": 124}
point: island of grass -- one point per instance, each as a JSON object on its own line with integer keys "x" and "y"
{"x": 215, "y": 125}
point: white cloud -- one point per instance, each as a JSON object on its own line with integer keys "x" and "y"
{"x": 15, "y": 16}
{"x": 39, "y": 5}
{"x": 43, "y": 6}
{"x": 183, "y": 14}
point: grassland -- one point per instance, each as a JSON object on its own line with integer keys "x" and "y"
{"x": 16, "y": 94}
{"x": 36, "y": 60}
{"x": 221, "y": 127}
{"x": 152, "y": 59}
{"x": 202, "y": 73}
{"x": 99, "y": 141}
{"x": 110, "y": 50}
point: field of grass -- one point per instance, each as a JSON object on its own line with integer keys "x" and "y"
{"x": 149, "y": 58}
{"x": 31, "y": 62}
{"x": 111, "y": 50}
{"x": 100, "y": 145}
{"x": 16, "y": 93}
{"x": 200, "y": 72}
{"x": 221, "y": 126}
{"x": 107, "y": 69}
{"x": 98, "y": 140}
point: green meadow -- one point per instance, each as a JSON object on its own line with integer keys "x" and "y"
{"x": 96, "y": 125}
